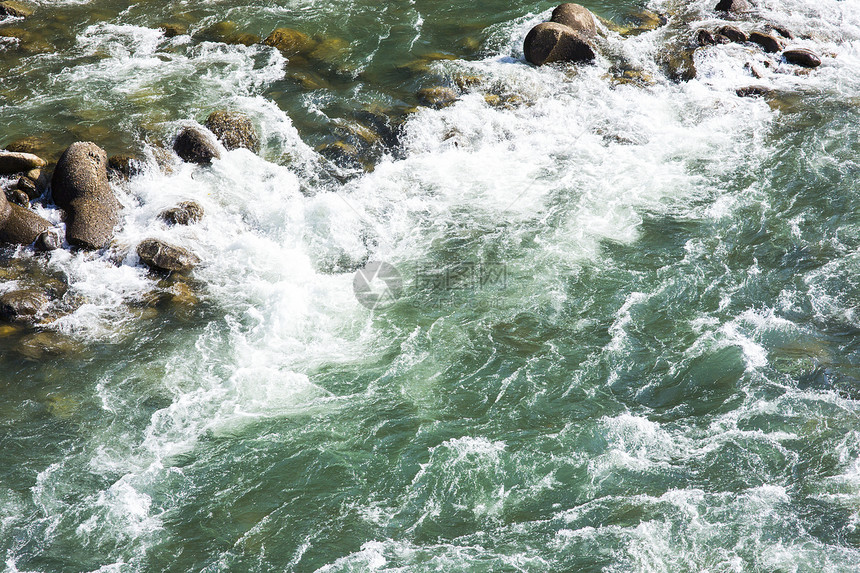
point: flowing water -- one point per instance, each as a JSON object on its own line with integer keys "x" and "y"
{"x": 627, "y": 334}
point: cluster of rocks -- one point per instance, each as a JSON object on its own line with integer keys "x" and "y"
{"x": 566, "y": 37}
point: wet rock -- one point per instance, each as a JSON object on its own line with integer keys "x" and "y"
{"x": 734, "y": 34}
{"x": 753, "y": 91}
{"x": 680, "y": 65}
{"x": 49, "y": 240}
{"x": 123, "y": 166}
{"x": 784, "y": 32}
{"x": 290, "y": 42}
{"x": 12, "y": 8}
{"x": 172, "y": 30}
{"x": 17, "y": 197}
{"x": 754, "y": 70}
{"x": 80, "y": 186}
{"x": 164, "y": 257}
{"x": 227, "y": 32}
{"x": 41, "y": 344}
{"x": 802, "y": 57}
{"x": 28, "y": 187}
{"x": 437, "y": 97}
{"x": 705, "y": 38}
{"x": 185, "y": 213}
{"x": 22, "y": 226}
{"x": 575, "y": 17}
{"x": 195, "y": 145}
{"x": 39, "y": 178}
{"x": 732, "y": 6}
{"x": 552, "y": 42}
{"x": 26, "y": 145}
{"x": 233, "y": 130}
{"x": 16, "y": 162}
{"x": 768, "y": 42}
{"x": 342, "y": 154}
{"x": 22, "y": 306}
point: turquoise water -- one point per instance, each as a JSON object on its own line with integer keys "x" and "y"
{"x": 627, "y": 338}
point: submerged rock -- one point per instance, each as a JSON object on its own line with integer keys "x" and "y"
{"x": 164, "y": 257}
{"x": 22, "y": 305}
{"x": 768, "y": 42}
{"x": 290, "y": 42}
{"x": 80, "y": 186}
{"x": 185, "y": 213}
{"x": 753, "y": 91}
{"x": 732, "y": 6}
{"x": 575, "y": 17}
{"x": 123, "y": 166}
{"x": 194, "y": 145}
{"x": 16, "y": 9}
{"x": 437, "y": 97}
{"x": 802, "y": 57}
{"x": 552, "y": 42}
{"x": 12, "y": 162}
{"x": 233, "y": 130}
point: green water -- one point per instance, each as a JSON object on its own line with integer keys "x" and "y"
{"x": 659, "y": 371}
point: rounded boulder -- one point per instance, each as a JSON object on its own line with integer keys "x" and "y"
{"x": 553, "y": 42}
{"x": 233, "y": 130}
{"x": 575, "y": 17}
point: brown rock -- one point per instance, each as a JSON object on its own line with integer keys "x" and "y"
{"x": 195, "y": 145}
{"x": 290, "y": 42}
{"x": 17, "y": 197}
{"x": 233, "y": 130}
{"x": 164, "y": 257}
{"x": 768, "y": 42}
{"x": 90, "y": 224}
{"x": 437, "y": 97}
{"x": 185, "y": 213}
{"x": 705, "y": 38}
{"x": 49, "y": 240}
{"x": 552, "y": 42}
{"x": 22, "y": 305}
{"x": 733, "y": 6}
{"x": 802, "y": 57}
{"x": 28, "y": 187}
{"x": 16, "y": 162}
{"x": 575, "y": 17}
{"x": 22, "y": 226}
{"x": 734, "y": 34}
{"x": 12, "y": 8}
{"x": 753, "y": 91}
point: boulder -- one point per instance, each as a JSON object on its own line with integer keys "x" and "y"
{"x": 575, "y": 17}
{"x": 290, "y": 42}
{"x": 195, "y": 145}
{"x": 733, "y": 6}
{"x": 185, "y": 213}
{"x": 437, "y": 97}
{"x": 80, "y": 186}
{"x": 802, "y": 57}
{"x": 22, "y": 226}
{"x": 16, "y": 162}
{"x": 164, "y": 257}
{"x": 233, "y": 130}
{"x": 12, "y": 8}
{"x": 705, "y": 38}
{"x": 22, "y": 305}
{"x": 553, "y": 42}
{"x": 768, "y": 42}
{"x": 734, "y": 34}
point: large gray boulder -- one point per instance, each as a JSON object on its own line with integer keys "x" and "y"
{"x": 553, "y": 42}
{"x": 575, "y": 17}
{"x": 164, "y": 257}
{"x": 80, "y": 186}
{"x": 12, "y": 162}
{"x": 196, "y": 145}
{"x": 233, "y": 130}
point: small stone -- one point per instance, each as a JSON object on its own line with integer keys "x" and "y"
{"x": 185, "y": 213}
{"x": 437, "y": 97}
{"x": 49, "y": 240}
{"x": 733, "y": 6}
{"x": 734, "y": 34}
{"x": 768, "y": 42}
{"x": 753, "y": 91}
{"x": 15, "y": 162}
{"x": 575, "y": 17}
{"x": 194, "y": 145}
{"x": 28, "y": 186}
{"x": 22, "y": 305}
{"x": 552, "y": 42}
{"x": 784, "y": 32}
{"x": 802, "y": 57}
{"x": 705, "y": 38}
{"x": 18, "y": 197}
{"x": 161, "y": 256}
